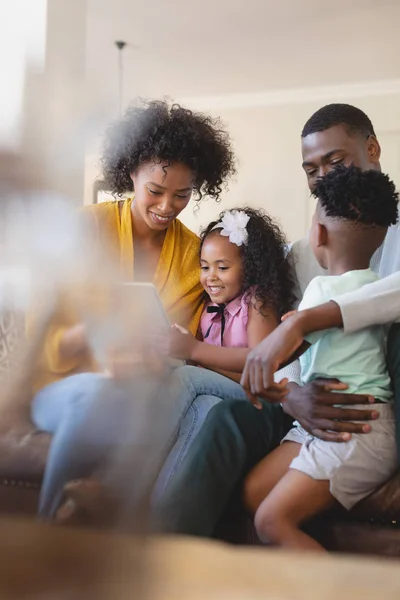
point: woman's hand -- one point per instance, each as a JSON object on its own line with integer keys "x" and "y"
{"x": 74, "y": 342}
{"x": 182, "y": 343}
{"x": 150, "y": 356}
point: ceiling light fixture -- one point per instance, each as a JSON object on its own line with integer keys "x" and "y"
{"x": 120, "y": 45}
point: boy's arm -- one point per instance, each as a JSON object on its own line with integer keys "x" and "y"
{"x": 376, "y": 303}
{"x": 287, "y": 341}
{"x": 254, "y": 374}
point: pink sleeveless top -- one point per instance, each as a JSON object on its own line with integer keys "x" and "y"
{"x": 226, "y": 326}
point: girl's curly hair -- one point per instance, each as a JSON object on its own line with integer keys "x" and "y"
{"x": 264, "y": 261}
{"x": 157, "y": 131}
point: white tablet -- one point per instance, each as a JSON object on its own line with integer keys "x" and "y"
{"x": 131, "y": 312}
{"x": 146, "y": 301}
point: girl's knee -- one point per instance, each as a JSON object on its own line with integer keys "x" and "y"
{"x": 185, "y": 376}
{"x": 185, "y": 371}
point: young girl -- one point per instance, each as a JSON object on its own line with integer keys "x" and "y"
{"x": 306, "y": 474}
{"x": 247, "y": 288}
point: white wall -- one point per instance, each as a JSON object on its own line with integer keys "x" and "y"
{"x": 267, "y": 142}
{"x": 22, "y": 43}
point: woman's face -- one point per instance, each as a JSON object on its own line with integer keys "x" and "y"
{"x": 162, "y": 191}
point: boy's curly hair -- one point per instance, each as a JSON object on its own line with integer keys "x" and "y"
{"x": 365, "y": 197}
{"x": 157, "y": 131}
{"x": 264, "y": 261}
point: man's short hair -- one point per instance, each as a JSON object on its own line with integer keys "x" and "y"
{"x": 331, "y": 115}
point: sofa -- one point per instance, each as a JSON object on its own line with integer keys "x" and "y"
{"x": 372, "y": 527}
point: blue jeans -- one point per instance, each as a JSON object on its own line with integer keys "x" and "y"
{"x": 201, "y": 389}
{"x": 70, "y": 410}
{"x": 89, "y": 415}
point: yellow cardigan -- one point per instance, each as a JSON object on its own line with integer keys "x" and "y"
{"x": 176, "y": 279}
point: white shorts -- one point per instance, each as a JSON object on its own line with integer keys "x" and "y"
{"x": 354, "y": 468}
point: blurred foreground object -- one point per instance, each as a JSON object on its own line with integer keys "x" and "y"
{"x": 47, "y": 255}
{"x": 68, "y": 564}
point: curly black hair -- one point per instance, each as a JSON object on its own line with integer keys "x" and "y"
{"x": 366, "y": 197}
{"x": 157, "y": 131}
{"x": 354, "y": 120}
{"x": 264, "y": 261}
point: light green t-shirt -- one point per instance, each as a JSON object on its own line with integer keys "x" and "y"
{"x": 358, "y": 359}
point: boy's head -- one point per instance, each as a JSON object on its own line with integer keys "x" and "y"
{"x": 338, "y": 134}
{"x": 354, "y": 210}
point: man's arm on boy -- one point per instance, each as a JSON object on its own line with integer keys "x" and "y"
{"x": 312, "y": 404}
{"x": 374, "y": 304}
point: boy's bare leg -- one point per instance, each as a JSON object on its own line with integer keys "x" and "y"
{"x": 266, "y": 474}
{"x": 296, "y": 498}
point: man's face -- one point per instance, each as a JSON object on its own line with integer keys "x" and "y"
{"x": 324, "y": 150}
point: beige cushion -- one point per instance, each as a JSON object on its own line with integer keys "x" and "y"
{"x": 23, "y": 450}
{"x": 11, "y": 339}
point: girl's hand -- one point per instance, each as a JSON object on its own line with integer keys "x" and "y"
{"x": 182, "y": 343}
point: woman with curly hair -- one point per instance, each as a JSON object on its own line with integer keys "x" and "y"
{"x": 162, "y": 154}
{"x": 247, "y": 287}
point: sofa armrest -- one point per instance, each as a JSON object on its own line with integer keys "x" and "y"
{"x": 23, "y": 449}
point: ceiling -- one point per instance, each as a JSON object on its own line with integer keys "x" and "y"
{"x": 179, "y": 48}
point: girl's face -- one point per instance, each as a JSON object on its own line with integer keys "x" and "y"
{"x": 162, "y": 191}
{"x": 221, "y": 268}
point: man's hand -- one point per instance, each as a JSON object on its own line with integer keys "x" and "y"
{"x": 312, "y": 405}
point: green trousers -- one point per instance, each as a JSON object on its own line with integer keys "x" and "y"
{"x": 234, "y": 437}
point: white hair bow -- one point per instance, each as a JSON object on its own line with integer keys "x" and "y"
{"x": 233, "y": 225}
